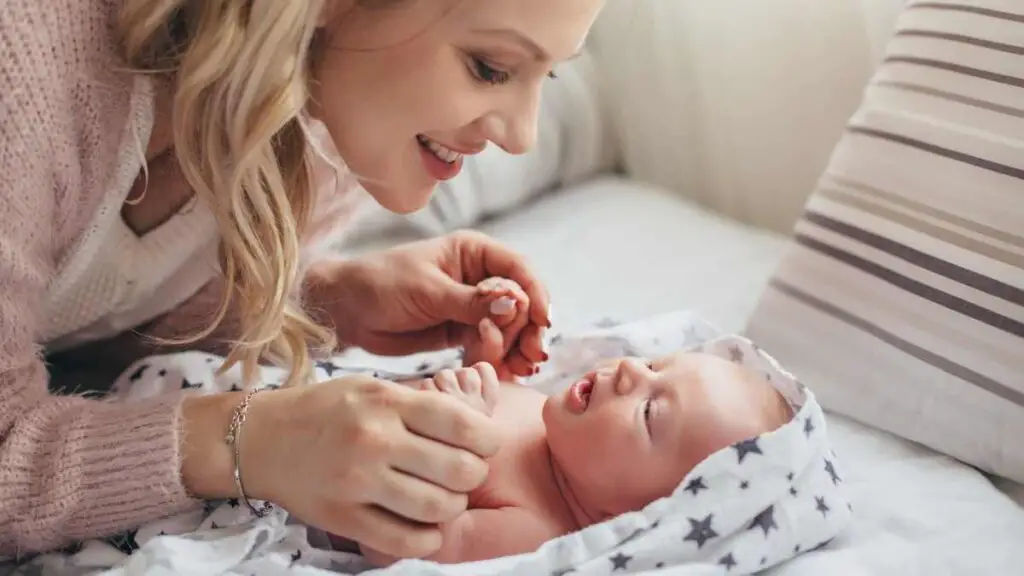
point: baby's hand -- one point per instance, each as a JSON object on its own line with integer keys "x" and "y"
{"x": 503, "y": 341}
{"x": 477, "y": 386}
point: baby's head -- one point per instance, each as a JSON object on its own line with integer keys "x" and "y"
{"x": 629, "y": 431}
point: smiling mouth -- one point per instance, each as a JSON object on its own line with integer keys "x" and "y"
{"x": 440, "y": 151}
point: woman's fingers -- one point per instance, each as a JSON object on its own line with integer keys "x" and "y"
{"x": 518, "y": 364}
{"x": 531, "y": 344}
{"x": 388, "y": 533}
{"x": 448, "y": 468}
{"x": 446, "y": 419}
{"x": 491, "y": 258}
{"x": 416, "y": 499}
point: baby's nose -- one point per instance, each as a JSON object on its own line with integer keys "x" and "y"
{"x": 631, "y": 372}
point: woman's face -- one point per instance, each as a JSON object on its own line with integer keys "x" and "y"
{"x": 407, "y": 88}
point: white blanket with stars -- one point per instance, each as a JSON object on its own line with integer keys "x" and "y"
{"x": 746, "y": 508}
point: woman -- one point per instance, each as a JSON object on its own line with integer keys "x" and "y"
{"x": 156, "y": 163}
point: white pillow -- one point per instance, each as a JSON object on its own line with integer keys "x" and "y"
{"x": 901, "y": 299}
{"x": 734, "y": 103}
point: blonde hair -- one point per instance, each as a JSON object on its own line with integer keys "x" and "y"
{"x": 241, "y": 70}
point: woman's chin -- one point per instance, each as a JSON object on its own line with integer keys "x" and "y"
{"x": 400, "y": 199}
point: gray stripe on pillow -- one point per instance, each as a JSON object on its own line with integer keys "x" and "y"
{"x": 951, "y": 154}
{"x": 957, "y": 68}
{"x": 979, "y": 42}
{"x": 911, "y": 286}
{"x": 920, "y": 259}
{"x": 913, "y": 222}
{"x": 958, "y": 98}
{"x": 925, "y": 210}
{"x": 1003, "y": 391}
{"x": 953, "y": 7}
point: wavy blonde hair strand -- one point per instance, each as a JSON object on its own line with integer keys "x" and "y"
{"x": 242, "y": 75}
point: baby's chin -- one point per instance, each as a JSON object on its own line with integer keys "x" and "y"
{"x": 548, "y": 411}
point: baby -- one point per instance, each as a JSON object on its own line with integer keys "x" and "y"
{"x": 621, "y": 437}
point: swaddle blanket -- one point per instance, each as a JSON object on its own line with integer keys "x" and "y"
{"x": 744, "y": 509}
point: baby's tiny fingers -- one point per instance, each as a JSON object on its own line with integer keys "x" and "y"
{"x": 446, "y": 381}
{"x": 489, "y": 384}
{"x": 424, "y": 384}
{"x": 469, "y": 381}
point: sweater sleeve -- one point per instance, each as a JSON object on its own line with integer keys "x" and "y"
{"x": 70, "y": 468}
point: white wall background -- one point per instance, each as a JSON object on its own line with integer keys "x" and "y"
{"x": 737, "y": 103}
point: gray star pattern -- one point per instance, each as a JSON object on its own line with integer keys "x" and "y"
{"x": 765, "y": 521}
{"x": 701, "y": 531}
{"x": 620, "y": 561}
{"x": 696, "y": 485}
{"x": 821, "y": 505}
{"x": 746, "y": 447}
{"x": 329, "y": 367}
{"x": 808, "y": 427}
{"x": 831, "y": 470}
{"x": 735, "y": 354}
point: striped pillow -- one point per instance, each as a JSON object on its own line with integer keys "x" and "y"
{"x": 901, "y": 299}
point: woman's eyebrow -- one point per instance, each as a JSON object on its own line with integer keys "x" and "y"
{"x": 536, "y": 51}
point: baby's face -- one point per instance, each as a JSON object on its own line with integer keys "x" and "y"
{"x": 629, "y": 431}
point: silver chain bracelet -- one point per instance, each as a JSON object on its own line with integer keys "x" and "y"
{"x": 234, "y": 440}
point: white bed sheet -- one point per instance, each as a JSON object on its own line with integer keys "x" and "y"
{"x": 618, "y": 248}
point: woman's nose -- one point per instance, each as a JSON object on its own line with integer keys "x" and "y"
{"x": 514, "y": 129}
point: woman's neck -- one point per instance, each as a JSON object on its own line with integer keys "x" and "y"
{"x": 161, "y": 139}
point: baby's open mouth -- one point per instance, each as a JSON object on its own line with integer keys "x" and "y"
{"x": 581, "y": 392}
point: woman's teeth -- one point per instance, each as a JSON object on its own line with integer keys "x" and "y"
{"x": 442, "y": 152}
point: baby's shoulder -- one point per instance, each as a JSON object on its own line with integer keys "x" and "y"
{"x": 519, "y": 403}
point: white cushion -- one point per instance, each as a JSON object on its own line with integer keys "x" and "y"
{"x": 736, "y": 103}
{"x": 901, "y": 301}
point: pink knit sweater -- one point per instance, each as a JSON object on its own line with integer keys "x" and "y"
{"x": 70, "y": 468}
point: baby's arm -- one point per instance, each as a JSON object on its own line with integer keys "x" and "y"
{"x": 486, "y": 533}
{"x": 482, "y": 534}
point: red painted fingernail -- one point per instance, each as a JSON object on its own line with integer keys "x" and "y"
{"x": 544, "y": 356}
{"x": 536, "y": 369}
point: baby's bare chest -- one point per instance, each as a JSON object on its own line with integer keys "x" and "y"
{"x": 514, "y": 477}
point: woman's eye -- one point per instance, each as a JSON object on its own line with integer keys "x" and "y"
{"x": 648, "y": 410}
{"x": 489, "y": 74}
{"x": 650, "y": 365}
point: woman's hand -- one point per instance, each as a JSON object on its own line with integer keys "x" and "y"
{"x": 367, "y": 460}
{"x": 424, "y": 296}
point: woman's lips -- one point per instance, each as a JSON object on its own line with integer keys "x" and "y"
{"x": 579, "y": 396}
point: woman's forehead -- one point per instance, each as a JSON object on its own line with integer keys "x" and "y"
{"x": 553, "y": 30}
